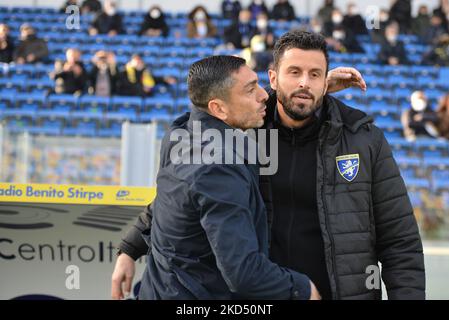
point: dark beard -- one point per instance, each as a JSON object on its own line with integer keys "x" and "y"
{"x": 290, "y": 110}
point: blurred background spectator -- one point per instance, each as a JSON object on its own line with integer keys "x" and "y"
{"x": 108, "y": 21}
{"x": 392, "y": 50}
{"x": 154, "y": 24}
{"x": 421, "y": 23}
{"x": 439, "y": 53}
{"x": 420, "y": 119}
{"x": 443, "y": 116}
{"x": 137, "y": 80}
{"x": 200, "y": 24}
{"x": 325, "y": 12}
{"x": 257, "y": 7}
{"x": 443, "y": 12}
{"x": 239, "y": 34}
{"x": 230, "y": 9}
{"x": 31, "y": 49}
{"x": 283, "y": 11}
{"x": 6, "y": 44}
{"x": 343, "y": 41}
{"x": 353, "y": 20}
{"x": 69, "y": 3}
{"x": 103, "y": 76}
{"x": 401, "y": 12}
{"x": 71, "y": 76}
{"x": 91, "y": 6}
{"x": 435, "y": 30}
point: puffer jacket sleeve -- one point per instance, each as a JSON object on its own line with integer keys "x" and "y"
{"x": 133, "y": 243}
{"x": 398, "y": 242}
{"x": 222, "y": 195}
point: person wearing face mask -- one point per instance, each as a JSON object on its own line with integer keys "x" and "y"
{"x": 154, "y": 24}
{"x": 353, "y": 20}
{"x": 283, "y": 11}
{"x": 108, "y": 21}
{"x": 420, "y": 120}
{"x": 257, "y": 7}
{"x": 31, "y": 49}
{"x": 200, "y": 24}
{"x": 343, "y": 41}
{"x": 136, "y": 79}
{"x": 239, "y": 34}
{"x": 264, "y": 30}
{"x": 392, "y": 50}
{"x": 336, "y": 20}
{"x": 258, "y": 56}
{"x": 230, "y": 9}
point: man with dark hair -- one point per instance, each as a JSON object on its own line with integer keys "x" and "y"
{"x": 337, "y": 204}
{"x": 208, "y": 242}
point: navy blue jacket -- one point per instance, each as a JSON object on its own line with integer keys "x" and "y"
{"x": 209, "y": 233}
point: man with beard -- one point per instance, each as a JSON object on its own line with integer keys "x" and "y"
{"x": 337, "y": 204}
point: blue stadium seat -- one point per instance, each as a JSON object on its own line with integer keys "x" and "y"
{"x": 155, "y": 115}
{"x": 124, "y": 102}
{"x": 417, "y": 183}
{"x": 153, "y": 103}
{"x": 114, "y": 129}
{"x": 63, "y": 100}
{"x": 87, "y": 101}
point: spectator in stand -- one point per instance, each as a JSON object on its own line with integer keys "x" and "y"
{"x": 435, "y": 31}
{"x": 316, "y": 25}
{"x": 257, "y": 7}
{"x": 421, "y": 23}
{"x": 103, "y": 77}
{"x": 258, "y": 56}
{"x": 239, "y": 34}
{"x": 343, "y": 41}
{"x": 325, "y": 12}
{"x": 439, "y": 54}
{"x": 353, "y": 20}
{"x": 70, "y": 77}
{"x": 443, "y": 12}
{"x": 108, "y": 21}
{"x": 283, "y": 11}
{"x": 264, "y": 30}
{"x": 91, "y": 6}
{"x": 154, "y": 24}
{"x": 401, "y": 12}
{"x": 137, "y": 80}
{"x": 420, "y": 120}
{"x": 336, "y": 20}
{"x": 443, "y": 117}
{"x": 31, "y": 49}
{"x": 378, "y": 35}
{"x": 230, "y": 9}
{"x": 69, "y": 3}
{"x": 200, "y": 24}
{"x": 392, "y": 50}
{"x": 6, "y": 44}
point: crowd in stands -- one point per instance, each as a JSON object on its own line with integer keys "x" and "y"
{"x": 251, "y": 31}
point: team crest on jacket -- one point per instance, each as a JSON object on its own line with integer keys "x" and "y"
{"x": 348, "y": 166}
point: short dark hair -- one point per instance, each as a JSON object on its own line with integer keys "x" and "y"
{"x": 300, "y": 40}
{"x": 211, "y": 78}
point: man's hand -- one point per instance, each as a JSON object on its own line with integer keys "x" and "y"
{"x": 122, "y": 277}
{"x": 314, "y": 294}
{"x": 341, "y": 78}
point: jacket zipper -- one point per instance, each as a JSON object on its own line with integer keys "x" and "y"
{"x": 292, "y": 194}
{"x": 323, "y": 199}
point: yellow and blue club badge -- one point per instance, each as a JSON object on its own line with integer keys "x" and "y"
{"x": 348, "y": 166}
